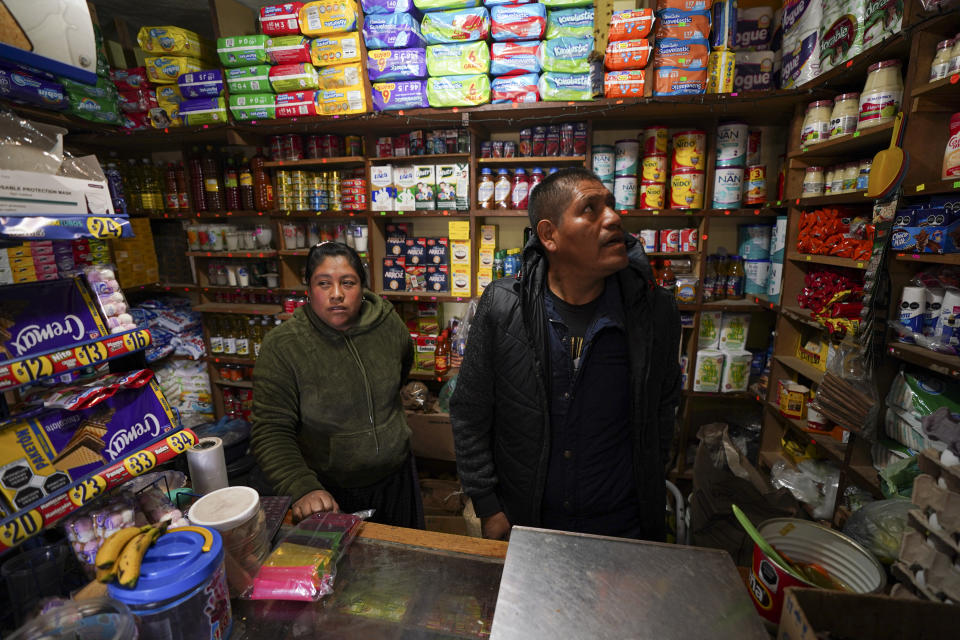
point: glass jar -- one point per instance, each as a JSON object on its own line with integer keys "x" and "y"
{"x": 836, "y": 183}
{"x": 816, "y": 123}
{"x": 850, "y": 173}
{"x": 828, "y": 181}
{"x": 882, "y": 94}
{"x": 940, "y": 67}
{"x": 863, "y": 179}
{"x": 955, "y": 56}
{"x": 846, "y": 112}
{"x": 812, "y": 182}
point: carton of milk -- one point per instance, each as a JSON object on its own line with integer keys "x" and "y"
{"x": 383, "y": 192}
{"x": 733, "y": 331}
{"x": 405, "y": 181}
{"x": 707, "y": 373}
{"x": 426, "y": 194}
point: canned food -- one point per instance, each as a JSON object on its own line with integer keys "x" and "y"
{"x": 654, "y": 140}
{"x": 354, "y": 145}
{"x": 526, "y": 143}
{"x": 686, "y": 190}
{"x": 649, "y": 238}
{"x": 732, "y": 144}
{"x": 292, "y": 147}
{"x": 652, "y": 196}
{"x": 688, "y": 239}
{"x": 669, "y": 240}
{"x": 314, "y": 147}
{"x": 756, "y": 189}
{"x": 655, "y": 168}
{"x": 689, "y": 150}
{"x": 625, "y": 192}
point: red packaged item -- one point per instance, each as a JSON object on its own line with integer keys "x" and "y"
{"x": 137, "y": 121}
{"x": 624, "y": 84}
{"x": 518, "y": 22}
{"x": 627, "y": 54}
{"x": 630, "y": 25}
{"x": 516, "y": 89}
{"x": 130, "y": 79}
{"x": 280, "y": 19}
{"x": 288, "y": 50}
{"x": 297, "y": 103}
{"x": 137, "y": 101}
{"x": 683, "y": 25}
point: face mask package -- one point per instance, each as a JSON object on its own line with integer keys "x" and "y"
{"x": 515, "y": 89}
{"x": 288, "y": 49}
{"x": 514, "y": 58}
{"x": 202, "y": 84}
{"x": 281, "y": 19}
{"x": 518, "y": 22}
{"x": 293, "y": 77}
{"x": 458, "y": 59}
{"x": 565, "y": 55}
{"x": 324, "y": 17}
{"x": 255, "y": 79}
{"x": 624, "y": 84}
{"x": 570, "y": 23}
{"x": 754, "y": 71}
{"x": 396, "y": 64}
{"x": 242, "y": 51}
{"x": 203, "y": 111}
{"x": 465, "y": 25}
{"x": 801, "y": 42}
{"x": 754, "y": 29}
{"x": 338, "y": 48}
{"x": 403, "y": 94}
{"x": 253, "y": 106}
{"x": 458, "y": 91}
{"x": 558, "y": 87}
{"x": 392, "y": 31}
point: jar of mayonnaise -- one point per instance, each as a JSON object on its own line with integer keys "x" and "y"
{"x": 940, "y": 67}
{"x": 828, "y": 181}
{"x": 816, "y": 123}
{"x": 846, "y": 112}
{"x": 812, "y": 183}
{"x": 955, "y": 56}
{"x": 836, "y": 182}
{"x": 881, "y": 95}
{"x": 850, "y": 173}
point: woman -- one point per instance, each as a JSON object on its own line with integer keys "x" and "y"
{"x": 328, "y": 426}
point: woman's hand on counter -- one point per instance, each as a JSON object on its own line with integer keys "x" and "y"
{"x": 496, "y": 527}
{"x": 313, "y": 502}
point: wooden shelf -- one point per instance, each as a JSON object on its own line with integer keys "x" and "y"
{"x": 738, "y": 395}
{"x": 240, "y": 384}
{"x": 421, "y": 159}
{"x": 239, "y": 253}
{"x": 833, "y": 261}
{"x": 664, "y": 213}
{"x": 432, "y": 377}
{"x": 942, "y": 363}
{"x": 422, "y": 296}
{"x": 315, "y": 162}
{"x": 499, "y": 213}
{"x": 800, "y": 315}
{"x": 934, "y": 187}
{"x": 311, "y": 213}
{"x": 944, "y": 90}
{"x": 672, "y": 254}
{"x": 305, "y": 252}
{"x": 767, "y": 210}
{"x": 435, "y": 213}
{"x": 846, "y": 147}
{"x": 221, "y": 359}
{"x": 802, "y": 367}
{"x": 245, "y": 309}
{"x": 750, "y": 303}
{"x": 855, "y": 197}
{"x": 936, "y": 258}
{"x": 549, "y": 160}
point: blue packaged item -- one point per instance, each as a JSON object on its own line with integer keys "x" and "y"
{"x": 570, "y": 23}
{"x": 23, "y": 87}
{"x": 514, "y": 58}
{"x": 392, "y": 31}
{"x": 519, "y": 22}
{"x": 201, "y": 84}
{"x": 386, "y": 7}
{"x": 723, "y": 31}
{"x": 464, "y": 25}
{"x": 396, "y": 64}
{"x": 403, "y": 94}
{"x": 566, "y": 55}
{"x": 515, "y": 89}
{"x": 115, "y": 185}
{"x": 179, "y": 582}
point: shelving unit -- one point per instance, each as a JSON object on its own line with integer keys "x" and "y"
{"x": 942, "y": 363}
{"x": 833, "y": 261}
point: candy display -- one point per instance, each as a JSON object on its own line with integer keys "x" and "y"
{"x": 834, "y": 298}
{"x": 835, "y": 232}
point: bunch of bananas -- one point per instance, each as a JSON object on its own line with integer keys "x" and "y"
{"x": 121, "y": 555}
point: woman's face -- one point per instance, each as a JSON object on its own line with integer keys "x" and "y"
{"x": 335, "y": 293}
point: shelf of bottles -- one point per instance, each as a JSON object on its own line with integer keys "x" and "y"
{"x": 233, "y": 340}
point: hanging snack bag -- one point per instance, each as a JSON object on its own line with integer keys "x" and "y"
{"x": 255, "y": 79}
{"x": 518, "y": 22}
{"x": 253, "y": 106}
{"x": 339, "y": 48}
{"x": 392, "y": 31}
{"x": 203, "y": 111}
{"x": 630, "y": 24}
{"x": 464, "y": 25}
{"x": 515, "y": 89}
{"x": 682, "y": 54}
{"x": 570, "y": 23}
{"x": 404, "y": 94}
{"x": 242, "y": 51}
{"x": 170, "y": 41}
{"x": 670, "y": 81}
{"x": 624, "y": 84}
{"x": 288, "y": 49}
{"x": 166, "y": 70}
{"x": 298, "y": 103}
{"x": 323, "y": 17}
{"x": 565, "y": 86}
{"x": 293, "y": 77}
{"x": 458, "y": 91}
{"x": 514, "y": 58}
{"x": 396, "y": 64}
{"x": 683, "y": 25}
{"x": 458, "y": 59}
{"x": 281, "y": 19}
{"x": 565, "y": 55}
{"x": 627, "y": 54}
{"x": 202, "y": 84}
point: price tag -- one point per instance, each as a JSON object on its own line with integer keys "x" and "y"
{"x": 956, "y": 185}
{"x": 139, "y": 463}
{"x": 181, "y": 441}
{"x": 89, "y": 354}
{"x": 102, "y": 228}
{"x": 859, "y": 265}
{"x": 87, "y": 490}
{"x": 808, "y": 258}
{"x": 856, "y": 134}
{"x": 921, "y": 187}
{"x": 21, "y": 528}
{"x": 136, "y": 340}
{"x": 32, "y": 369}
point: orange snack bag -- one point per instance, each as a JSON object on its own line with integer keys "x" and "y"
{"x": 627, "y": 54}
{"x": 630, "y": 25}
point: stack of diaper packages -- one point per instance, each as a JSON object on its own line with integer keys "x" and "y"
{"x": 97, "y": 102}
{"x": 457, "y": 56}
{"x": 564, "y": 55}
{"x": 514, "y": 61}
{"x": 396, "y": 58}
{"x": 847, "y": 27}
{"x": 628, "y": 53}
{"x": 681, "y": 53}
{"x": 754, "y": 69}
{"x": 335, "y": 53}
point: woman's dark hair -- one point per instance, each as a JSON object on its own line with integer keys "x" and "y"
{"x": 329, "y": 249}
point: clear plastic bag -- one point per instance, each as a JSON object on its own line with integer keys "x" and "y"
{"x": 879, "y": 527}
{"x": 812, "y": 482}
{"x": 848, "y": 394}
{"x": 29, "y": 146}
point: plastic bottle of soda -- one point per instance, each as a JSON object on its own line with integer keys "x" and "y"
{"x": 485, "y": 189}
{"x": 197, "y": 191}
{"x": 183, "y": 197}
{"x": 171, "y": 200}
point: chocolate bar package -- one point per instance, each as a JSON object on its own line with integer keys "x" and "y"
{"x": 43, "y": 452}
{"x": 38, "y": 317}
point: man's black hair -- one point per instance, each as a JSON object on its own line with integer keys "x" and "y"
{"x": 322, "y": 251}
{"x": 549, "y": 199}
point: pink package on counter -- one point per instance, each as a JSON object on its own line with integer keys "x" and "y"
{"x": 130, "y": 79}
{"x": 280, "y": 19}
{"x": 518, "y": 21}
{"x": 288, "y": 50}
{"x": 297, "y": 103}
{"x": 136, "y": 101}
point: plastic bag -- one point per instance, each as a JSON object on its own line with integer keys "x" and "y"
{"x": 896, "y": 479}
{"x": 879, "y": 526}
{"x": 446, "y": 393}
{"x": 29, "y": 146}
{"x": 414, "y": 396}
{"x": 812, "y": 482}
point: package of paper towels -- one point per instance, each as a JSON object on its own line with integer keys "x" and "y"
{"x": 392, "y": 31}
{"x": 464, "y": 25}
{"x": 566, "y": 55}
{"x": 754, "y": 28}
{"x": 396, "y": 64}
{"x": 801, "y": 42}
{"x": 515, "y": 88}
{"x": 518, "y": 22}
{"x": 458, "y": 91}
{"x": 458, "y": 59}
{"x": 401, "y": 94}
{"x": 514, "y": 58}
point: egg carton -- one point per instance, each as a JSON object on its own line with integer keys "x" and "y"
{"x": 940, "y": 507}
{"x": 940, "y": 582}
{"x": 947, "y": 477}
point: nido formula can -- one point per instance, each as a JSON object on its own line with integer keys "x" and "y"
{"x": 652, "y": 195}
{"x": 689, "y": 150}
{"x": 654, "y": 168}
{"x": 686, "y": 190}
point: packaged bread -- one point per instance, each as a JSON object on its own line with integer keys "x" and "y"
{"x": 631, "y": 24}
{"x": 338, "y": 48}
{"x": 624, "y": 84}
{"x": 288, "y": 49}
{"x": 323, "y": 17}
{"x": 166, "y": 69}
{"x": 170, "y": 41}
{"x": 627, "y": 54}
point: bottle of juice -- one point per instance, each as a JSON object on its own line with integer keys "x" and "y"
{"x": 441, "y": 360}
{"x": 720, "y": 286}
{"x": 669, "y": 279}
{"x": 216, "y": 335}
{"x": 735, "y": 278}
{"x": 183, "y": 198}
{"x": 231, "y": 185}
{"x": 211, "y": 181}
{"x": 501, "y": 190}
{"x": 229, "y": 338}
{"x": 485, "y": 189}
{"x": 245, "y": 179}
{"x": 243, "y": 338}
{"x": 262, "y": 189}
{"x": 170, "y": 199}
{"x": 520, "y": 194}
{"x": 197, "y": 191}
{"x": 709, "y": 278}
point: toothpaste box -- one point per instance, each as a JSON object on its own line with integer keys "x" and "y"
{"x": 383, "y": 192}
{"x": 394, "y": 275}
{"x": 405, "y": 180}
{"x": 426, "y": 194}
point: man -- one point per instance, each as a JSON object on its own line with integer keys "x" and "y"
{"x": 564, "y": 410}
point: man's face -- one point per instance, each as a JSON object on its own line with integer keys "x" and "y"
{"x": 589, "y": 237}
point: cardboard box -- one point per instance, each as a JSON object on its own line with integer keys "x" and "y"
{"x": 415, "y": 251}
{"x": 446, "y": 186}
{"x": 31, "y": 192}
{"x": 405, "y": 180}
{"x": 438, "y": 278}
{"x": 426, "y": 193}
{"x": 394, "y": 276}
{"x": 431, "y": 436}
{"x": 462, "y": 170}
{"x": 927, "y": 239}
{"x": 383, "y": 193}
{"x": 442, "y": 497}
{"x": 814, "y": 352}
{"x": 459, "y": 230}
{"x": 809, "y": 614}
{"x": 484, "y": 278}
{"x": 460, "y": 253}
{"x": 460, "y": 280}
{"x": 485, "y": 258}
{"x": 438, "y": 251}
{"x": 425, "y": 350}
{"x": 488, "y": 236}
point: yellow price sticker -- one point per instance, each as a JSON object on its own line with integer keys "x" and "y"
{"x": 136, "y": 340}
{"x": 89, "y": 354}
{"x": 181, "y": 441}
{"x": 102, "y": 228}
{"x": 921, "y": 187}
{"x": 24, "y": 526}
{"x": 87, "y": 490}
{"x": 32, "y": 369}
{"x": 139, "y": 463}
{"x": 808, "y": 258}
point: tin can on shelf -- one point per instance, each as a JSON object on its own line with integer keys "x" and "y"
{"x": 654, "y": 140}
{"x": 625, "y": 192}
{"x": 689, "y": 150}
{"x": 602, "y": 162}
{"x": 686, "y": 189}
{"x": 497, "y": 148}
{"x": 732, "y": 144}
{"x": 755, "y": 190}
{"x": 727, "y": 188}
{"x": 669, "y": 240}
{"x": 314, "y": 145}
{"x": 688, "y": 239}
{"x": 649, "y": 238}
{"x": 276, "y": 148}
{"x": 652, "y": 196}
{"x": 626, "y": 159}
{"x": 292, "y": 147}
{"x": 486, "y": 149}
{"x": 654, "y": 168}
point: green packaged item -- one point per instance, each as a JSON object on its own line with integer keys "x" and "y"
{"x": 243, "y": 51}
{"x": 458, "y": 59}
{"x": 565, "y": 4}
{"x": 254, "y": 106}
{"x": 570, "y": 23}
{"x": 294, "y": 77}
{"x": 255, "y": 79}
{"x": 458, "y": 91}
{"x": 558, "y": 87}
{"x": 170, "y": 41}
{"x": 103, "y": 89}
{"x": 566, "y": 55}
{"x": 102, "y": 110}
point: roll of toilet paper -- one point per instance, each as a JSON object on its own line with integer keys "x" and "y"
{"x": 912, "y": 303}
{"x": 207, "y": 465}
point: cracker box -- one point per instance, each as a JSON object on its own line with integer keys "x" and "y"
{"x": 45, "y": 452}
{"x": 416, "y": 251}
{"x": 425, "y": 348}
{"x": 426, "y": 194}
{"x": 405, "y": 180}
{"x": 394, "y": 276}
{"x": 438, "y": 278}
{"x": 460, "y": 252}
{"x": 383, "y": 192}
{"x": 458, "y": 229}
{"x": 488, "y": 235}
{"x": 438, "y": 251}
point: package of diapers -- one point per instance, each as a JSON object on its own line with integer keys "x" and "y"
{"x": 170, "y": 41}
{"x": 136, "y": 101}
{"x": 104, "y": 88}
{"x": 518, "y": 22}
{"x": 338, "y": 48}
{"x": 281, "y": 19}
{"x": 392, "y": 31}
{"x": 458, "y": 91}
{"x": 401, "y": 94}
{"x": 342, "y": 101}
{"x": 340, "y": 76}
{"x": 293, "y": 77}
{"x": 169, "y": 93}
{"x": 254, "y": 79}
{"x": 288, "y": 49}
{"x": 630, "y": 24}
{"x": 243, "y": 51}
{"x": 165, "y": 114}
{"x": 463, "y": 25}
{"x": 323, "y": 17}
{"x": 201, "y": 84}
{"x": 253, "y": 106}
{"x": 566, "y": 4}
{"x": 754, "y": 71}
{"x": 458, "y": 59}
{"x": 130, "y": 79}
{"x": 670, "y": 81}
{"x": 558, "y": 87}
{"x": 381, "y": 7}
{"x": 570, "y": 23}
{"x": 203, "y": 111}
{"x": 514, "y": 58}
{"x": 445, "y": 5}
{"x": 515, "y": 88}
{"x": 566, "y": 55}
{"x": 683, "y": 25}
{"x": 626, "y": 55}
{"x": 298, "y": 103}
{"x": 754, "y": 29}
{"x": 683, "y": 54}
{"x": 624, "y": 84}
{"x": 166, "y": 70}
{"x": 396, "y": 64}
